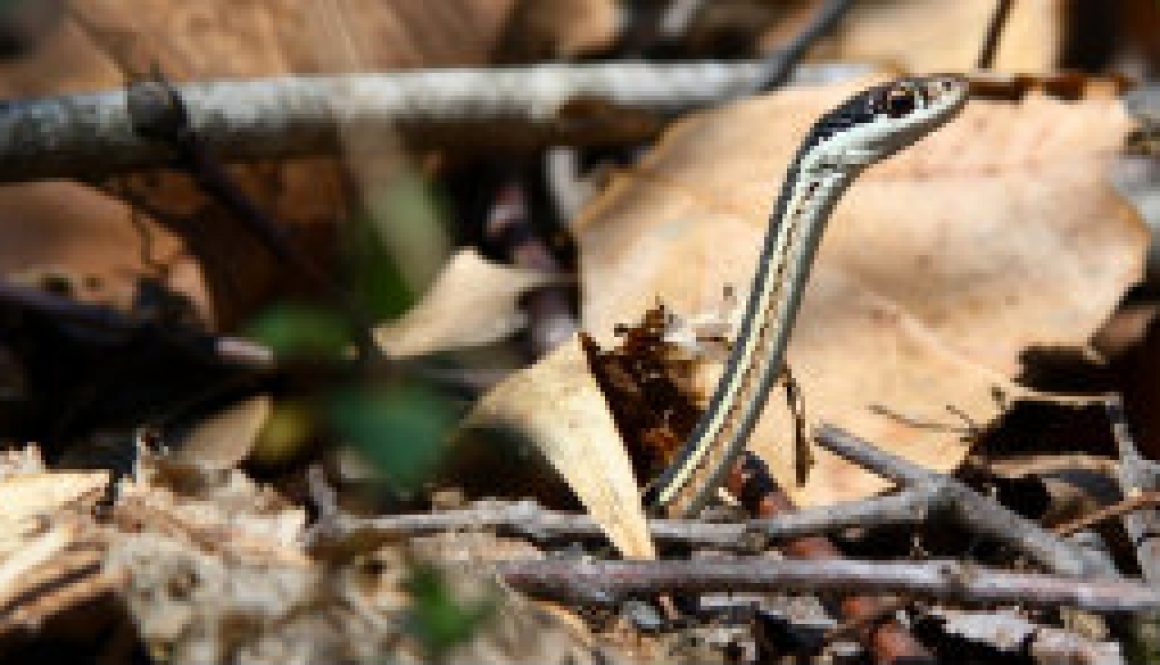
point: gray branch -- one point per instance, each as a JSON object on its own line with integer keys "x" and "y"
{"x": 925, "y": 495}
{"x": 609, "y": 582}
{"x": 527, "y": 519}
{"x": 93, "y": 135}
{"x": 1137, "y": 475}
{"x": 979, "y": 514}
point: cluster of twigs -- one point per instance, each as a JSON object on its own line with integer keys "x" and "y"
{"x": 1074, "y": 574}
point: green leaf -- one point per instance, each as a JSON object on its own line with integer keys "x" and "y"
{"x": 396, "y": 247}
{"x": 401, "y": 430}
{"x": 437, "y": 618}
{"x": 302, "y": 331}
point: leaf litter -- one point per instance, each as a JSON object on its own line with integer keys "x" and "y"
{"x": 686, "y": 222}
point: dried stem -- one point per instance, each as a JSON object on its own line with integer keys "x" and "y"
{"x": 1119, "y": 509}
{"x": 609, "y": 582}
{"x": 93, "y": 135}
{"x": 528, "y": 519}
{"x": 979, "y": 514}
{"x": 1137, "y": 475}
{"x": 780, "y": 66}
{"x": 994, "y": 31}
{"x": 888, "y": 640}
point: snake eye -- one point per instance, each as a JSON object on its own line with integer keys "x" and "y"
{"x": 899, "y": 102}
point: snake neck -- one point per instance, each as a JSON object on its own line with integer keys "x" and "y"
{"x": 758, "y": 356}
{"x": 864, "y": 129}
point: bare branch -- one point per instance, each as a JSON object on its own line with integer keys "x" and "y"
{"x": 613, "y": 581}
{"x": 1149, "y": 499}
{"x": 527, "y": 519}
{"x": 980, "y": 514}
{"x": 96, "y": 134}
{"x": 994, "y": 30}
{"x": 1137, "y": 475}
{"x": 781, "y": 65}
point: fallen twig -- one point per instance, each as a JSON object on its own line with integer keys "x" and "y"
{"x": 778, "y": 68}
{"x": 1137, "y": 475}
{"x": 868, "y": 616}
{"x": 1149, "y": 499}
{"x": 980, "y": 514}
{"x": 608, "y": 582}
{"x": 994, "y": 30}
{"x": 93, "y": 135}
{"x": 528, "y": 519}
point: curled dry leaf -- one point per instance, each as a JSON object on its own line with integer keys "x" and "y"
{"x": 557, "y": 404}
{"x": 996, "y": 234}
{"x": 226, "y": 437}
{"x": 472, "y": 302}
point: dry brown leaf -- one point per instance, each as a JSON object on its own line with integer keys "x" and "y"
{"x": 560, "y": 30}
{"x": 472, "y": 302}
{"x": 74, "y": 231}
{"x": 102, "y": 42}
{"x": 940, "y": 267}
{"x": 558, "y": 405}
{"x": 932, "y": 35}
{"x": 216, "y": 38}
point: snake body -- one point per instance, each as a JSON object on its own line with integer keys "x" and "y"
{"x": 865, "y": 129}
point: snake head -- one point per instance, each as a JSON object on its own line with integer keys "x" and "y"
{"x": 882, "y": 120}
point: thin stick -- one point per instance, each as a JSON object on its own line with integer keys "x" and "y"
{"x": 92, "y": 135}
{"x": 979, "y": 514}
{"x": 1137, "y": 475}
{"x": 889, "y": 641}
{"x": 610, "y": 582}
{"x": 779, "y": 67}
{"x": 1133, "y": 503}
{"x": 994, "y": 31}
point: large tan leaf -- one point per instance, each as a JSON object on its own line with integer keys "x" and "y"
{"x": 558, "y": 405}
{"x": 998, "y": 233}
